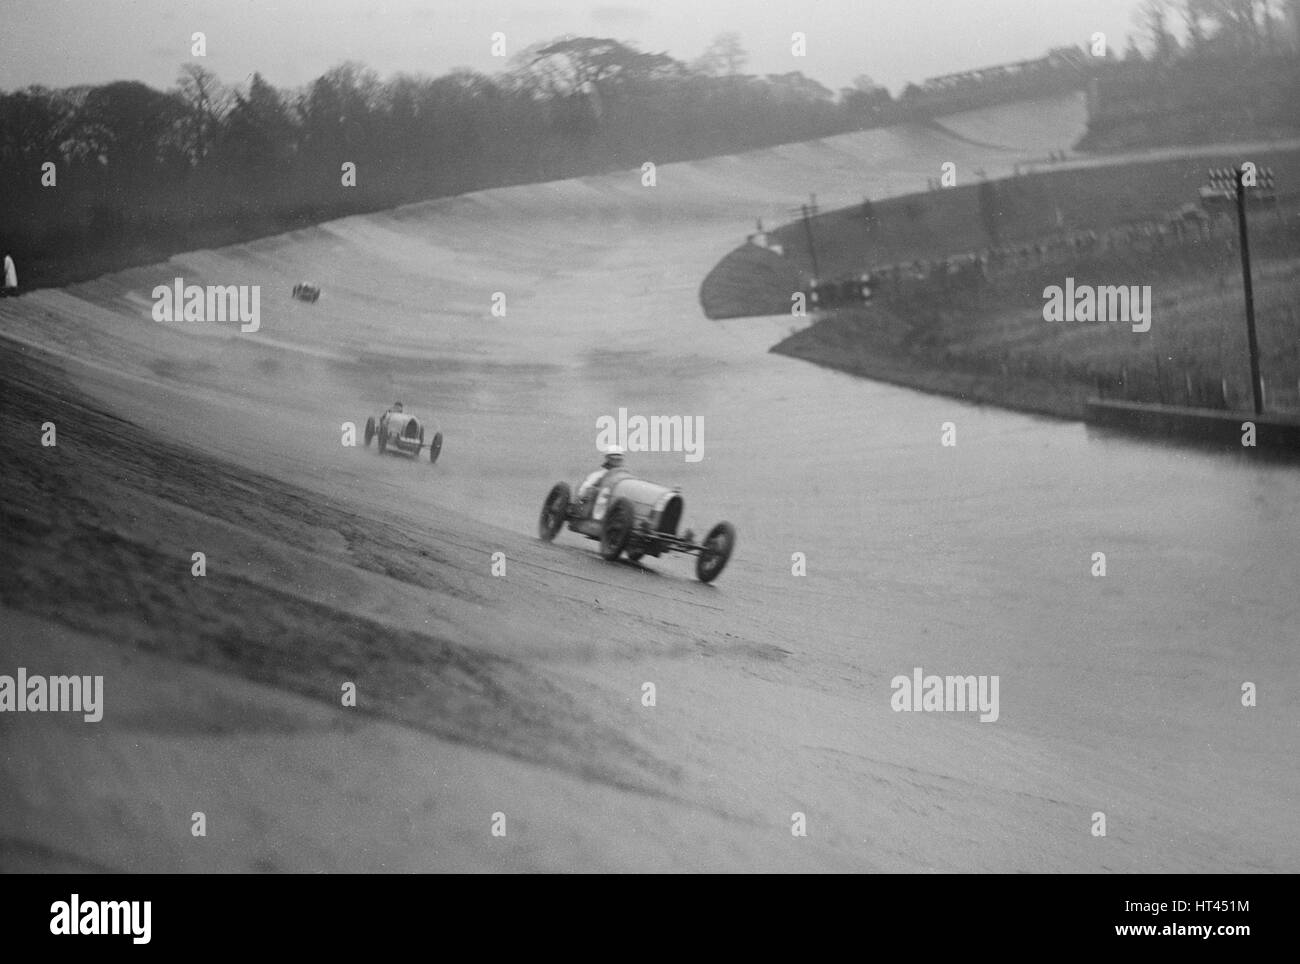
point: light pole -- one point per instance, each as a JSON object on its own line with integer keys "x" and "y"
{"x": 1234, "y": 179}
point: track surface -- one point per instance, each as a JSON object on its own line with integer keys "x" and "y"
{"x": 520, "y": 694}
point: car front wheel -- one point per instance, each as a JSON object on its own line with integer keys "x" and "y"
{"x": 617, "y": 529}
{"x": 553, "y": 511}
{"x": 717, "y": 550}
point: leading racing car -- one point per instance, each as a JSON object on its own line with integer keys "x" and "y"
{"x": 627, "y": 514}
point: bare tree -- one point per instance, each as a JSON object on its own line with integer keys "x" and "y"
{"x": 1152, "y": 17}
{"x": 207, "y": 101}
{"x": 1194, "y": 14}
{"x": 1240, "y": 26}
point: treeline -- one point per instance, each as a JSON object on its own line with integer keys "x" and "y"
{"x": 1231, "y": 30}
{"x": 1198, "y": 71}
{"x": 94, "y": 178}
{"x": 1194, "y": 101}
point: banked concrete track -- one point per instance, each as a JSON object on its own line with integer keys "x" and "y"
{"x": 521, "y": 693}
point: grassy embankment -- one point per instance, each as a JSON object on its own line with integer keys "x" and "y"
{"x": 986, "y": 341}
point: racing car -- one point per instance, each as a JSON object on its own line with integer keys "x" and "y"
{"x": 306, "y": 291}
{"x": 627, "y": 514}
{"x": 402, "y": 431}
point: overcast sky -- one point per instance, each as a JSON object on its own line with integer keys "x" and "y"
{"x": 62, "y": 42}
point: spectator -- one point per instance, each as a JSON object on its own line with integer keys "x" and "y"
{"x": 11, "y": 279}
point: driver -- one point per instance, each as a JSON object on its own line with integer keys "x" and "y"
{"x": 590, "y": 485}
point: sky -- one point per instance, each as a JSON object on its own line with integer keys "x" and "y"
{"x": 58, "y": 43}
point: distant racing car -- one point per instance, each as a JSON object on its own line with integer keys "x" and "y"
{"x": 306, "y": 291}
{"x": 627, "y": 514}
{"x": 402, "y": 431}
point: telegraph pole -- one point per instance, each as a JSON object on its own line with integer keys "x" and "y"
{"x": 812, "y": 246}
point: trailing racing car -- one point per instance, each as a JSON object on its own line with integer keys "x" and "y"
{"x": 403, "y": 432}
{"x": 306, "y": 291}
{"x": 627, "y": 514}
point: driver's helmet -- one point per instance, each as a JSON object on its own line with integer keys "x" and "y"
{"x": 397, "y": 407}
{"x": 613, "y": 458}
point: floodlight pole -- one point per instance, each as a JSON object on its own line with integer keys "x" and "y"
{"x": 1250, "y": 293}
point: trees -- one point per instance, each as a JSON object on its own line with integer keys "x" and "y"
{"x": 1235, "y": 28}
{"x": 258, "y": 134}
{"x": 581, "y": 78}
{"x": 206, "y": 101}
{"x": 36, "y": 125}
{"x": 339, "y": 109}
{"x": 204, "y": 161}
{"x": 134, "y": 128}
{"x": 1223, "y": 29}
{"x": 1153, "y": 18}
{"x": 1237, "y": 24}
{"x": 723, "y": 57}
{"x": 1193, "y": 14}
{"x": 585, "y": 64}
{"x": 865, "y": 97}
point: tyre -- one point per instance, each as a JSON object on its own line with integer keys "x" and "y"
{"x": 637, "y": 546}
{"x": 435, "y": 447}
{"x": 717, "y": 550}
{"x": 370, "y": 430}
{"x": 617, "y": 530}
{"x": 383, "y": 440}
{"x": 553, "y": 511}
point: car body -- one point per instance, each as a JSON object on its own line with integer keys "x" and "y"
{"x": 402, "y": 432}
{"x": 636, "y": 516}
{"x": 306, "y": 291}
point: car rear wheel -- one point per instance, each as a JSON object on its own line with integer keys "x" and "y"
{"x": 617, "y": 529}
{"x": 370, "y": 430}
{"x": 553, "y": 511}
{"x": 435, "y": 447}
{"x": 717, "y": 550}
{"x": 383, "y": 440}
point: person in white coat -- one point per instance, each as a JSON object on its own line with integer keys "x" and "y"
{"x": 11, "y": 277}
